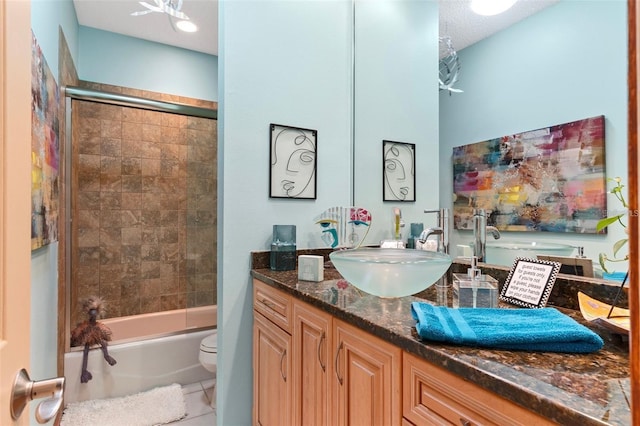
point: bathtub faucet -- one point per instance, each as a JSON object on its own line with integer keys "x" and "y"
{"x": 441, "y": 231}
{"x": 480, "y": 229}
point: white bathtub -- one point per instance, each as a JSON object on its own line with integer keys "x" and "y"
{"x": 142, "y": 363}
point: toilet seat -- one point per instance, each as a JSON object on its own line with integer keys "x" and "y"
{"x": 210, "y": 344}
{"x": 208, "y": 357}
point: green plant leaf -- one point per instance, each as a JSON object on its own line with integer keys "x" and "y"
{"x": 618, "y": 245}
{"x": 602, "y": 258}
{"x": 603, "y": 223}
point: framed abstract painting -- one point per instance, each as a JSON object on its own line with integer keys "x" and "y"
{"x": 45, "y": 151}
{"x": 293, "y": 162}
{"x": 398, "y": 171}
{"x": 546, "y": 180}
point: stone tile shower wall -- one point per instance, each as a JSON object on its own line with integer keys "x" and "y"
{"x": 143, "y": 209}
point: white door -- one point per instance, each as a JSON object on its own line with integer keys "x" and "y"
{"x": 15, "y": 205}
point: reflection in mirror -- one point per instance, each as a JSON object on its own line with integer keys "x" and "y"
{"x": 550, "y": 68}
{"x": 399, "y": 173}
{"x": 395, "y": 99}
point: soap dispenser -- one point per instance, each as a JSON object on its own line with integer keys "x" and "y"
{"x": 474, "y": 290}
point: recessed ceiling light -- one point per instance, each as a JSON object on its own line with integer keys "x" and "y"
{"x": 491, "y": 7}
{"x": 187, "y": 26}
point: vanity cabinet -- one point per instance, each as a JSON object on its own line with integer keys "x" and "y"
{"x": 312, "y": 369}
{"x": 434, "y": 396}
{"x": 272, "y": 378}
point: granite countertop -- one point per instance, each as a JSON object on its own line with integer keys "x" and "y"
{"x": 586, "y": 389}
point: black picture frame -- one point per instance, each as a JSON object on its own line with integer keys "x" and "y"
{"x": 530, "y": 282}
{"x": 398, "y": 171}
{"x": 292, "y": 162}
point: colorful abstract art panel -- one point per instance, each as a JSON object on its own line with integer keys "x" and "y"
{"x": 545, "y": 180}
{"x": 45, "y": 151}
{"x": 344, "y": 227}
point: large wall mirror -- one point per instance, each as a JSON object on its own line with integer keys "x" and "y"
{"x": 547, "y": 69}
{"x": 396, "y": 99}
{"x": 514, "y": 102}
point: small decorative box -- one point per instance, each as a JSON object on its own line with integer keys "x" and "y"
{"x": 310, "y": 268}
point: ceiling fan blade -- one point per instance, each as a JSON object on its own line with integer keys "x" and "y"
{"x": 151, "y": 7}
{"x": 175, "y": 13}
{"x": 171, "y": 8}
{"x": 161, "y": 7}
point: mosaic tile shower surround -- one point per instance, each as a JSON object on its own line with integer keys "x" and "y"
{"x": 144, "y": 208}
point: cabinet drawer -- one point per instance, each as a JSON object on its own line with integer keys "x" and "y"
{"x": 273, "y": 304}
{"x": 432, "y": 395}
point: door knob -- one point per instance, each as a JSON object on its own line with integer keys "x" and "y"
{"x": 25, "y": 390}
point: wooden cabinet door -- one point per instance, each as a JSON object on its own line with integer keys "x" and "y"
{"x": 311, "y": 365}
{"x": 271, "y": 374}
{"x": 367, "y": 378}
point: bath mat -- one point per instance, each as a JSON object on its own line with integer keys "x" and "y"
{"x": 153, "y": 407}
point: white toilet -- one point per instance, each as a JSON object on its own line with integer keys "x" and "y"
{"x": 209, "y": 352}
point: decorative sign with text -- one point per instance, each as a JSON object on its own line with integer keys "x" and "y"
{"x": 530, "y": 282}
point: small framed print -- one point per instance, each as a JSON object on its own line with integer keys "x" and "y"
{"x": 293, "y": 162}
{"x": 530, "y": 282}
{"x": 398, "y": 171}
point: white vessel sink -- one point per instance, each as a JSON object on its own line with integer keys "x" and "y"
{"x": 390, "y": 272}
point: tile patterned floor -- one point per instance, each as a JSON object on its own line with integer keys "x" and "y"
{"x": 198, "y": 398}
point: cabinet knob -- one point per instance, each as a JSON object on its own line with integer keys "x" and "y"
{"x": 465, "y": 422}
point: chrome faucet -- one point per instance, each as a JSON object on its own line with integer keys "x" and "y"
{"x": 424, "y": 235}
{"x": 480, "y": 229}
{"x": 441, "y": 231}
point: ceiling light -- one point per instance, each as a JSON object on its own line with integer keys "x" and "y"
{"x": 187, "y": 26}
{"x": 491, "y": 7}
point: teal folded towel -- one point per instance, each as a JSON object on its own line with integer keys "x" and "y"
{"x": 537, "y": 330}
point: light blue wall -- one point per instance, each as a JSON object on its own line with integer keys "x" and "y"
{"x": 116, "y": 59}
{"x": 44, "y": 313}
{"x": 47, "y": 16}
{"x": 285, "y": 62}
{"x": 563, "y": 64}
{"x": 396, "y": 50}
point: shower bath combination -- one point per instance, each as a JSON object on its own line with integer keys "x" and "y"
{"x": 143, "y": 198}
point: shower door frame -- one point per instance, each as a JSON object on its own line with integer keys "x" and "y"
{"x": 86, "y": 94}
